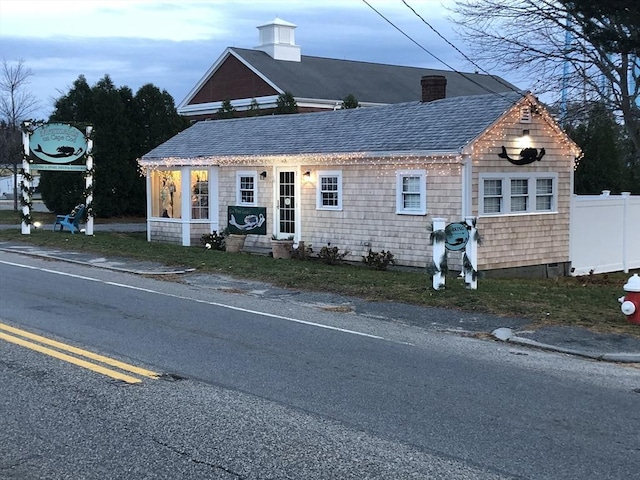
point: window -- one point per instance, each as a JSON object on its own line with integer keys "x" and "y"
{"x": 329, "y": 190}
{"x": 519, "y": 194}
{"x": 544, "y": 194}
{"x": 515, "y": 194}
{"x": 492, "y": 196}
{"x": 199, "y": 194}
{"x": 246, "y": 191}
{"x": 166, "y": 194}
{"x": 411, "y": 192}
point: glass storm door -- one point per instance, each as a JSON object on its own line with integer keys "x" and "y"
{"x": 286, "y": 211}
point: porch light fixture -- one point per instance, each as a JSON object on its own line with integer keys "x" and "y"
{"x": 263, "y": 175}
{"x": 525, "y": 140}
{"x": 307, "y": 173}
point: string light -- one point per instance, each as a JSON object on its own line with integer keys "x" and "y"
{"x": 508, "y": 130}
{"x": 382, "y": 162}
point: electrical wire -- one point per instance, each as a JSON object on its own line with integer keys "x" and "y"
{"x": 483, "y": 87}
{"x": 496, "y": 78}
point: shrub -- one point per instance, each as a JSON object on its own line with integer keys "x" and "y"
{"x": 213, "y": 241}
{"x": 378, "y": 260}
{"x": 331, "y": 255}
{"x": 302, "y": 252}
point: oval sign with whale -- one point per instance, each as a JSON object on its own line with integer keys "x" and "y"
{"x": 57, "y": 143}
{"x": 457, "y": 236}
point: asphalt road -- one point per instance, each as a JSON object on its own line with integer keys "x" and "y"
{"x": 264, "y": 388}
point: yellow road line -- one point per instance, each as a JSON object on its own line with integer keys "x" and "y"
{"x": 78, "y": 351}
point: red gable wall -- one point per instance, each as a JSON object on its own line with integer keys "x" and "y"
{"x": 232, "y": 80}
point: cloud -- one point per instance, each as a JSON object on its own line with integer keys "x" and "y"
{"x": 172, "y": 44}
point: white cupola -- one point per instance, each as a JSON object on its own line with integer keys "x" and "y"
{"x": 277, "y": 39}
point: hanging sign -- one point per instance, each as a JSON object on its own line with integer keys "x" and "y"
{"x": 457, "y": 236}
{"x": 247, "y": 220}
{"x": 57, "y": 143}
{"x": 527, "y": 156}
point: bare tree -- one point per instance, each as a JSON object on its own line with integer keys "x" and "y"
{"x": 16, "y": 105}
{"x": 562, "y": 50}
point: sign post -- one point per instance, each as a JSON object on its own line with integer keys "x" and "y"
{"x": 439, "y": 254}
{"x": 88, "y": 186}
{"x": 58, "y": 145}
{"x": 470, "y": 259}
{"x": 25, "y": 187}
{"x": 455, "y": 237}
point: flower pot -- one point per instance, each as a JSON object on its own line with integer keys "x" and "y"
{"x": 281, "y": 248}
{"x": 234, "y": 243}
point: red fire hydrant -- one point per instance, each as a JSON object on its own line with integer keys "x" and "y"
{"x": 631, "y": 301}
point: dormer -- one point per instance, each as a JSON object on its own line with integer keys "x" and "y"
{"x": 277, "y": 39}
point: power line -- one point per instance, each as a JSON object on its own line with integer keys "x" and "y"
{"x": 484, "y": 87}
{"x": 498, "y": 79}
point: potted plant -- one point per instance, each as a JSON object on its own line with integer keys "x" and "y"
{"x": 234, "y": 242}
{"x": 281, "y": 247}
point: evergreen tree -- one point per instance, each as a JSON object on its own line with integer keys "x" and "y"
{"x": 226, "y": 110}
{"x": 125, "y": 127}
{"x": 61, "y": 191}
{"x": 286, "y": 104}
{"x": 155, "y": 119}
{"x": 117, "y": 182}
{"x": 602, "y": 166}
{"x": 254, "y": 108}
{"x": 350, "y": 102}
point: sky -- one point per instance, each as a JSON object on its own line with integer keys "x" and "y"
{"x": 172, "y": 43}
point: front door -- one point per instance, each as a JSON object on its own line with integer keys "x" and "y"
{"x": 286, "y": 204}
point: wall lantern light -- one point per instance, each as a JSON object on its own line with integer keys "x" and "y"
{"x": 307, "y": 173}
{"x": 525, "y": 140}
{"x": 263, "y": 175}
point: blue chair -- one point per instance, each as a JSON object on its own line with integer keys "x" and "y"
{"x": 71, "y": 220}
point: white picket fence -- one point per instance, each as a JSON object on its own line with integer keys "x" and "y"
{"x": 604, "y": 233}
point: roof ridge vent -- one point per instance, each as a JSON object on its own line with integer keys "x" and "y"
{"x": 277, "y": 39}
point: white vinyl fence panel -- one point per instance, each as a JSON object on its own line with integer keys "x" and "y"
{"x": 604, "y": 233}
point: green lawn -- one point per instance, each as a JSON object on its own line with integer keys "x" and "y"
{"x": 590, "y": 301}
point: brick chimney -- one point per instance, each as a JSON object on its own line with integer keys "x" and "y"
{"x": 434, "y": 87}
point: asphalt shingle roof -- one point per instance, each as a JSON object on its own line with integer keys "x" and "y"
{"x": 329, "y": 78}
{"x": 446, "y": 125}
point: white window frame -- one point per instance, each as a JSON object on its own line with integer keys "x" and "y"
{"x": 337, "y": 174}
{"x": 197, "y": 204}
{"x": 253, "y": 174}
{"x": 532, "y": 194}
{"x": 422, "y": 207}
{"x": 525, "y": 196}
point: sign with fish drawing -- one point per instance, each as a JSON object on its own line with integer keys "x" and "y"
{"x": 247, "y": 220}
{"x": 57, "y": 143}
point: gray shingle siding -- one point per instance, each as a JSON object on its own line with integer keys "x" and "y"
{"x": 446, "y": 125}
